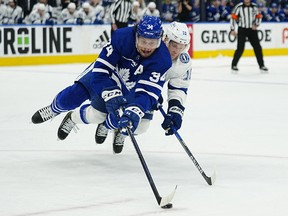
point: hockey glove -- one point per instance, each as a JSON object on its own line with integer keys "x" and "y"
{"x": 114, "y": 99}
{"x": 173, "y": 117}
{"x": 130, "y": 118}
{"x": 111, "y": 121}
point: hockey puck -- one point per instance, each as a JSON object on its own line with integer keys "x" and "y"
{"x": 168, "y": 206}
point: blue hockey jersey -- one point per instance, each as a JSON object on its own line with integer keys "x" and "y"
{"x": 119, "y": 63}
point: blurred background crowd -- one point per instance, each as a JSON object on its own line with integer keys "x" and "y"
{"x": 102, "y": 11}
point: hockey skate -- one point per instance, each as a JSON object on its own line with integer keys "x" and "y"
{"x": 234, "y": 70}
{"x": 101, "y": 133}
{"x": 66, "y": 126}
{"x": 43, "y": 115}
{"x": 264, "y": 69}
{"x": 118, "y": 142}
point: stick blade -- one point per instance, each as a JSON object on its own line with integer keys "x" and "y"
{"x": 166, "y": 200}
{"x": 211, "y": 180}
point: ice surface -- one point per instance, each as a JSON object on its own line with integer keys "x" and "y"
{"x": 234, "y": 124}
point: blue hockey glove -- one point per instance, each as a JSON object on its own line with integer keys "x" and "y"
{"x": 113, "y": 98}
{"x": 49, "y": 22}
{"x": 173, "y": 117}
{"x": 79, "y": 21}
{"x": 111, "y": 121}
{"x": 130, "y": 118}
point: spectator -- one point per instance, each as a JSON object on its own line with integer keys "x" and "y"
{"x": 263, "y": 12}
{"x": 169, "y": 12}
{"x": 3, "y": 9}
{"x": 142, "y": 4}
{"x": 151, "y": 10}
{"x": 184, "y": 10}
{"x": 98, "y": 11}
{"x": 213, "y": 12}
{"x": 281, "y": 3}
{"x": 14, "y": 13}
{"x": 64, "y": 4}
{"x": 136, "y": 11}
{"x": 86, "y": 14}
{"x": 69, "y": 14}
{"x": 26, "y": 6}
{"x": 107, "y": 8}
{"x": 195, "y": 14}
{"x": 273, "y": 14}
{"x": 225, "y": 11}
{"x": 284, "y": 14}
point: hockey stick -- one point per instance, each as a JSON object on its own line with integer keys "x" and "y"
{"x": 209, "y": 180}
{"x": 163, "y": 202}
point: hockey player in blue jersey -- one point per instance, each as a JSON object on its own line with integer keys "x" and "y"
{"x": 177, "y": 39}
{"x": 129, "y": 73}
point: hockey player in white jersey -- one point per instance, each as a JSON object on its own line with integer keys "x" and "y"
{"x": 38, "y": 16}
{"x": 13, "y": 14}
{"x": 86, "y": 14}
{"x": 3, "y": 9}
{"x": 177, "y": 39}
{"x": 69, "y": 14}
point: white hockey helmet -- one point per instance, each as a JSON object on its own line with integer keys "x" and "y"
{"x": 178, "y": 32}
{"x": 151, "y": 5}
{"x": 71, "y": 6}
{"x": 41, "y": 7}
{"x": 85, "y": 5}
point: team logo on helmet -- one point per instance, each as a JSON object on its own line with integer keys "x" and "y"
{"x": 150, "y": 27}
{"x": 184, "y": 58}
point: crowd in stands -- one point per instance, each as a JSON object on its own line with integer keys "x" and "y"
{"x": 98, "y": 11}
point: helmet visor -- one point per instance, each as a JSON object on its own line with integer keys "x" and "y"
{"x": 148, "y": 42}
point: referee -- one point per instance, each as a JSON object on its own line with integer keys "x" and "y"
{"x": 120, "y": 12}
{"x": 247, "y": 17}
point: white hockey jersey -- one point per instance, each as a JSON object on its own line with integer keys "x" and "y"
{"x": 3, "y": 9}
{"x": 12, "y": 15}
{"x": 36, "y": 18}
{"x": 178, "y": 78}
{"x": 48, "y": 9}
{"x": 68, "y": 18}
{"x": 99, "y": 12}
{"x": 86, "y": 17}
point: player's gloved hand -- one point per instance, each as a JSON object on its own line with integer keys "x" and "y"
{"x": 111, "y": 121}
{"x": 173, "y": 117}
{"x": 130, "y": 118}
{"x": 79, "y": 21}
{"x": 113, "y": 98}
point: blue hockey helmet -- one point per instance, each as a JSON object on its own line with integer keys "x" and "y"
{"x": 150, "y": 27}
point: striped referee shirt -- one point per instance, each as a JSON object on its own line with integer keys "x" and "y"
{"x": 121, "y": 11}
{"x": 245, "y": 16}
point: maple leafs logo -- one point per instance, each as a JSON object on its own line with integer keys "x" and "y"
{"x": 124, "y": 74}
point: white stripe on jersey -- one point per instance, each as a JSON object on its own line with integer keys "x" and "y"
{"x": 146, "y": 82}
{"x": 106, "y": 63}
{"x": 100, "y": 70}
{"x": 117, "y": 80}
{"x": 149, "y": 93}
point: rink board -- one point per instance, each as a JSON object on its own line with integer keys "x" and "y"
{"x": 58, "y": 44}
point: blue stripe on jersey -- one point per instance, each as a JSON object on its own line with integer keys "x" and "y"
{"x": 175, "y": 88}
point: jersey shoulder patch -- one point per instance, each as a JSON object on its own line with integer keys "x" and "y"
{"x": 184, "y": 58}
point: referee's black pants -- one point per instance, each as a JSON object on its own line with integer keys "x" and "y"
{"x": 252, "y": 36}
{"x": 119, "y": 25}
